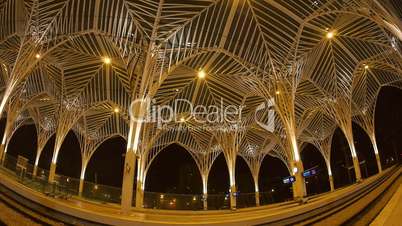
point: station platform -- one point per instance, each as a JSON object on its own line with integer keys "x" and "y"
{"x": 391, "y": 214}
{"x": 342, "y": 206}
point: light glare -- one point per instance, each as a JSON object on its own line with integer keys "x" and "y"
{"x": 330, "y": 34}
{"x": 107, "y": 60}
{"x": 201, "y": 74}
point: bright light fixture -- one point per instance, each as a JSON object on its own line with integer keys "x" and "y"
{"x": 182, "y": 119}
{"x": 37, "y": 56}
{"x": 116, "y": 110}
{"x": 330, "y": 35}
{"x": 107, "y": 60}
{"x": 366, "y": 67}
{"x": 277, "y": 92}
{"x": 201, "y": 74}
{"x": 295, "y": 170}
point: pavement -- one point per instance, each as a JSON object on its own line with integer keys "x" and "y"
{"x": 392, "y": 212}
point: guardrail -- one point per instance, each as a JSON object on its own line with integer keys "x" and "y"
{"x": 317, "y": 207}
{"x": 67, "y": 187}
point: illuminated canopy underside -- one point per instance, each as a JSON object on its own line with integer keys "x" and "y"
{"x": 78, "y": 64}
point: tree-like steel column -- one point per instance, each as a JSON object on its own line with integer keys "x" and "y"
{"x": 137, "y": 114}
{"x": 139, "y": 197}
{"x": 14, "y": 108}
{"x": 257, "y": 190}
{"x": 27, "y": 57}
{"x": 6, "y": 136}
{"x": 366, "y": 120}
{"x": 69, "y": 112}
{"x": 376, "y": 152}
{"x": 204, "y": 178}
{"x": 84, "y": 165}
{"x": 341, "y": 110}
{"x": 356, "y": 163}
{"x": 283, "y": 94}
{"x": 230, "y": 142}
{"x": 44, "y": 134}
{"x": 330, "y": 177}
{"x": 324, "y": 146}
{"x": 130, "y": 159}
{"x": 280, "y": 91}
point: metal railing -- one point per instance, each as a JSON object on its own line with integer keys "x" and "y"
{"x": 67, "y": 187}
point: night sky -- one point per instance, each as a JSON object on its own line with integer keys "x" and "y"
{"x": 174, "y": 170}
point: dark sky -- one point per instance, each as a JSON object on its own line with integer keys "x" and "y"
{"x": 175, "y": 171}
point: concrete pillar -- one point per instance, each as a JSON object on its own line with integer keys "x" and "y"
{"x": 356, "y": 166}
{"x": 138, "y": 110}
{"x": 330, "y": 177}
{"x": 299, "y": 186}
{"x": 37, "y": 157}
{"x": 4, "y": 141}
{"x": 82, "y": 177}
{"x": 257, "y": 198}
{"x": 205, "y": 191}
{"x": 35, "y": 170}
{"x": 205, "y": 201}
{"x": 139, "y": 197}
{"x": 128, "y": 181}
{"x": 81, "y": 187}
{"x": 377, "y": 154}
{"x": 2, "y": 152}
{"x": 331, "y": 183}
{"x": 356, "y": 163}
{"x": 257, "y": 191}
{"x": 377, "y": 157}
{"x": 233, "y": 189}
{"x": 52, "y": 172}
{"x": 57, "y": 146}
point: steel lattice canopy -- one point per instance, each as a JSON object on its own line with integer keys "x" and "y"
{"x": 78, "y": 64}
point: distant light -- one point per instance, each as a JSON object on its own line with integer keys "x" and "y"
{"x": 295, "y": 170}
{"x": 107, "y": 60}
{"x": 272, "y": 190}
{"x": 194, "y": 198}
{"x": 366, "y": 67}
{"x": 96, "y": 187}
{"x": 201, "y": 74}
{"x": 182, "y": 119}
{"x": 278, "y": 92}
{"x": 177, "y": 90}
{"x": 116, "y": 110}
{"x": 37, "y": 56}
{"x": 162, "y": 196}
{"x": 330, "y": 35}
